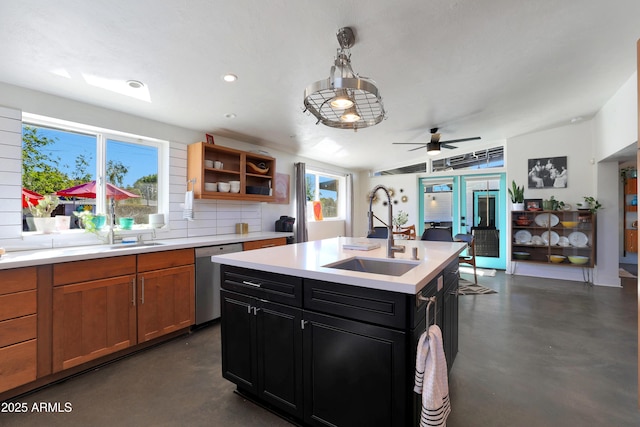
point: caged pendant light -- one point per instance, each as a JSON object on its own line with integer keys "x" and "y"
{"x": 344, "y": 100}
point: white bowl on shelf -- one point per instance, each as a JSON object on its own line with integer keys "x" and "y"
{"x": 224, "y": 187}
{"x": 211, "y": 186}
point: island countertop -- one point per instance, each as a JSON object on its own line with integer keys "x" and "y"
{"x": 310, "y": 260}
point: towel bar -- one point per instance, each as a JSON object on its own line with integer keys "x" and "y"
{"x": 430, "y": 300}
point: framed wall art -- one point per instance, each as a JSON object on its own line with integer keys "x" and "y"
{"x": 548, "y": 172}
{"x": 533, "y": 204}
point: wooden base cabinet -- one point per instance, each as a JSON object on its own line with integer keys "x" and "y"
{"x": 166, "y": 301}
{"x": 92, "y": 319}
{"x": 18, "y": 327}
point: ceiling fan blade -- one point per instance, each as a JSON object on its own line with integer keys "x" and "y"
{"x": 418, "y": 148}
{"x": 450, "y": 147}
{"x": 409, "y": 143}
{"x": 460, "y": 140}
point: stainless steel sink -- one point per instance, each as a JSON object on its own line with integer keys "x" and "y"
{"x": 388, "y": 267}
{"x": 133, "y": 245}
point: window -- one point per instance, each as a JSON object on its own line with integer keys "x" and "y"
{"x": 329, "y": 191}
{"x": 74, "y": 161}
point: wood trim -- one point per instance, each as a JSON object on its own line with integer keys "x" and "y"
{"x": 266, "y": 243}
{"x": 45, "y": 319}
{"x": 17, "y": 280}
{"x": 17, "y": 330}
{"x": 638, "y": 162}
{"x": 18, "y": 304}
{"x": 93, "y": 269}
{"x": 166, "y": 259}
{"x": 17, "y": 364}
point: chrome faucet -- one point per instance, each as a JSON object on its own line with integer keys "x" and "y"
{"x": 391, "y": 249}
{"x": 112, "y": 221}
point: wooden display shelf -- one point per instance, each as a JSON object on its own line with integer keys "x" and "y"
{"x": 234, "y": 168}
{"x": 539, "y": 250}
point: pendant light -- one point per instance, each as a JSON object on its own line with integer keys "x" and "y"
{"x": 344, "y": 100}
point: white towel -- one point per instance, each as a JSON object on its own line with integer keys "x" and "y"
{"x": 188, "y": 206}
{"x": 431, "y": 378}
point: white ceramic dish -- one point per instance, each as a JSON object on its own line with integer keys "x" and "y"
{"x": 523, "y": 236}
{"x": 550, "y": 237}
{"x": 564, "y": 241}
{"x": 537, "y": 240}
{"x": 224, "y": 187}
{"x": 546, "y": 220}
{"x": 210, "y": 186}
{"x": 578, "y": 239}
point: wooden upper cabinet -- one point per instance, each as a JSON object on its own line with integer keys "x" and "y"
{"x": 631, "y": 186}
{"x": 254, "y": 171}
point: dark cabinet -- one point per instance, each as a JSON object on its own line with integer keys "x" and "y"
{"x": 330, "y": 354}
{"x": 262, "y": 349}
{"x": 354, "y": 373}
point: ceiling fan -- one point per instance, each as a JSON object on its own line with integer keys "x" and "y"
{"x": 433, "y": 146}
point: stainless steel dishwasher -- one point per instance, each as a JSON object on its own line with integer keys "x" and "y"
{"x": 208, "y": 281}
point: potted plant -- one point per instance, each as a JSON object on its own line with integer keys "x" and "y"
{"x": 42, "y": 211}
{"x": 400, "y": 219}
{"x": 517, "y": 196}
{"x": 590, "y": 203}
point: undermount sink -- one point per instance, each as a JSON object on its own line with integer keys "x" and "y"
{"x": 133, "y": 245}
{"x": 389, "y": 267}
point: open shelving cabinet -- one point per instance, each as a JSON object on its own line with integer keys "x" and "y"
{"x": 572, "y": 237}
{"x": 235, "y": 167}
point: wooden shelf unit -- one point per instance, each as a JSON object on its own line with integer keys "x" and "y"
{"x": 540, "y": 253}
{"x": 630, "y": 214}
{"x": 234, "y": 168}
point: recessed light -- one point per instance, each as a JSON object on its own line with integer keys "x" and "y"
{"x": 229, "y": 78}
{"x": 135, "y": 84}
{"x": 230, "y": 116}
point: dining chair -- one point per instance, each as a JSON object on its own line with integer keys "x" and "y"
{"x": 409, "y": 231}
{"x": 437, "y": 235}
{"x": 379, "y": 233}
{"x": 469, "y": 256}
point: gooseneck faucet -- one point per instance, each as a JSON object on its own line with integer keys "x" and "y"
{"x": 112, "y": 221}
{"x": 390, "y": 248}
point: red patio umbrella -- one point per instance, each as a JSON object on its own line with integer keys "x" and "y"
{"x": 88, "y": 191}
{"x": 31, "y": 195}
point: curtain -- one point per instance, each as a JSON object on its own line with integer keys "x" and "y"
{"x": 348, "y": 223}
{"x": 301, "y": 202}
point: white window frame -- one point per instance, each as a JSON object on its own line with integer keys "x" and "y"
{"x": 342, "y": 198}
{"x": 102, "y": 135}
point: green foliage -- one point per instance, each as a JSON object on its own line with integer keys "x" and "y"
{"x": 44, "y": 207}
{"x": 40, "y": 172}
{"x": 591, "y": 203}
{"x": 516, "y": 193}
{"x": 400, "y": 219}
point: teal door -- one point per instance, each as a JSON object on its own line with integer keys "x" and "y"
{"x": 483, "y": 213}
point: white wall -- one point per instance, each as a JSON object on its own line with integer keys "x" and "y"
{"x": 211, "y": 217}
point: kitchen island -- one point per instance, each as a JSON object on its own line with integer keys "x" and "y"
{"x": 314, "y": 339}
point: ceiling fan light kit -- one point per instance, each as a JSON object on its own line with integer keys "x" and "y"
{"x": 344, "y": 100}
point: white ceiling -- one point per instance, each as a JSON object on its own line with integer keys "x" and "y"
{"x": 492, "y": 68}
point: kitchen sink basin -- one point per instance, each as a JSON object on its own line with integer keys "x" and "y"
{"x": 133, "y": 245}
{"x": 389, "y": 267}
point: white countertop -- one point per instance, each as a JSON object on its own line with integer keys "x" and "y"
{"x": 77, "y": 253}
{"x": 309, "y": 259}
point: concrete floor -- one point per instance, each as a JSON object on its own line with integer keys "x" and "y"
{"x": 538, "y": 353}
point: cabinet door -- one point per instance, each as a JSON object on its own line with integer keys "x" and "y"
{"x": 238, "y": 333}
{"x": 450, "y": 331}
{"x": 92, "y": 319}
{"x": 279, "y": 336}
{"x": 166, "y": 301}
{"x": 354, "y": 373}
{"x": 262, "y": 350}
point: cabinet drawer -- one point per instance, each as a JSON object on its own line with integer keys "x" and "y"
{"x": 18, "y": 304}
{"x": 18, "y": 330}
{"x": 353, "y": 302}
{"x": 93, "y": 269}
{"x": 266, "y": 243}
{"x": 269, "y": 286}
{"x": 166, "y": 259}
{"x": 17, "y": 279}
{"x": 17, "y": 364}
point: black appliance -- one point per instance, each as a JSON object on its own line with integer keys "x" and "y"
{"x": 285, "y": 223}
